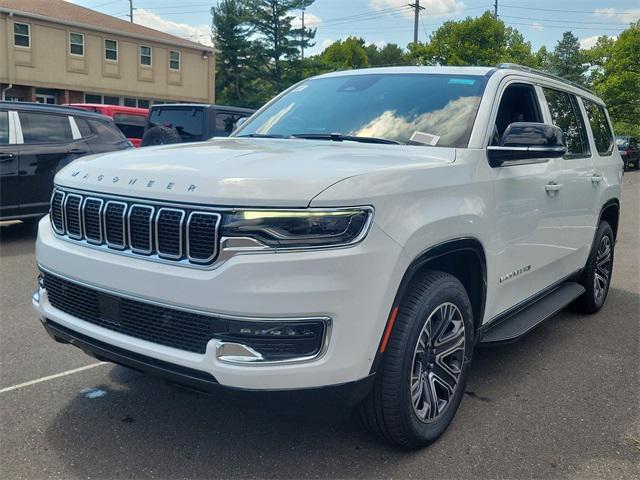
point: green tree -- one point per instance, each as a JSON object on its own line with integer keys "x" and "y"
{"x": 233, "y": 62}
{"x": 567, "y": 60}
{"x": 390, "y": 54}
{"x": 484, "y": 40}
{"x": 278, "y": 43}
{"x": 619, "y": 81}
{"x": 348, "y": 53}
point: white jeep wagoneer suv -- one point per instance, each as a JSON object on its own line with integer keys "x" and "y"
{"x": 349, "y": 245}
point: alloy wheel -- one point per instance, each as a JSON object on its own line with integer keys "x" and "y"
{"x": 602, "y": 272}
{"x": 437, "y": 362}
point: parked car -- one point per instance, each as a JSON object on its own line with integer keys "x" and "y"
{"x": 36, "y": 141}
{"x": 130, "y": 120}
{"x": 350, "y": 245}
{"x": 189, "y": 122}
{"x": 629, "y": 151}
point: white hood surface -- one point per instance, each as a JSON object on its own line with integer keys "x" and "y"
{"x": 240, "y": 172}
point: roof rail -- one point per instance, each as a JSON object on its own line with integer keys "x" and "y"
{"x": 522, "y": 68}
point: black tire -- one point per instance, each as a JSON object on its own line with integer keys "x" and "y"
{"x": 391, "y": 411}
{"x": 596, "y": 292}
{"x": 160, "y": 135}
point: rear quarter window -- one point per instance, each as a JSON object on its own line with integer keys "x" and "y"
{"x": 132, "y": 126}
{"x": 602, "y": 132}
{"x": 45, "y": 128}
{"x": 106, "y": 132}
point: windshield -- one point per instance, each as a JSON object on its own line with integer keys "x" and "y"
{"x": 622, "y": 142}
{"x": 424, "y": 109}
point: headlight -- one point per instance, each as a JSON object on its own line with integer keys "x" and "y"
{"x": 299, "y": 228}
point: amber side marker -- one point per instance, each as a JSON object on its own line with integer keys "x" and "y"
{"x": 387, "y": 332}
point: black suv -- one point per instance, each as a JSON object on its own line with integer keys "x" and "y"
{"x": 190, "y": 122}
{"x": 629, "y": 151}
{"x": 36, "y": 141}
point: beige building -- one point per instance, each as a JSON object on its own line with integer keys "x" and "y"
{"x": 53, "y": 51}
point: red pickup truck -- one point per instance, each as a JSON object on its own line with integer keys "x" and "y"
{"x": 130, "y": 120}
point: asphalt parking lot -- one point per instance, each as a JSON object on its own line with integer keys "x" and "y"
{"x": 561, "y": 403}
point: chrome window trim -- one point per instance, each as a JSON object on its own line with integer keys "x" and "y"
{"x": 151, "y": 224}
{"x": 100, "y": 226}
{"x": 180, "y": 240}
{"x": 53, "y": 224}
{"x": 66, "y": 222}
{"x": 326, "y": 320}
{"x": 216, "y": 235}
{"x": 116, "y": 246}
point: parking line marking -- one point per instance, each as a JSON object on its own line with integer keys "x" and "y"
{"x": 51, "y": 377}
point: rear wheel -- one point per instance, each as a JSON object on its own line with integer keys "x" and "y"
{"x": 596, "y": 276}
{"x": 426, "y": 364}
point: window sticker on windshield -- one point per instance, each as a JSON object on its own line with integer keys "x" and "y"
{"x": 425, "y": 138}
{"x": 461, "y": 81}
{"x": 299, "y": 88}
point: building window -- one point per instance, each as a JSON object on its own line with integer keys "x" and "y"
{"x": 90, "y": 98}
{"x": 145, "y": 55}
{"x": 22, "y": 35}
{"x": 111, "y": 50}
{"x": 143, "y": 103}
{"x": 107, "y": 100}
{"x": 174, "y": 60}
{"x": 76, "y": 44}
{"x": 130, "y": 102}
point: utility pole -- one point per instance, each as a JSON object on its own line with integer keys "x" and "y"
{"x": 416, "y": 8}
{"x": 495, "y": 9}
{"x": 131, "y": 11}
{"x": 302, "y": 43}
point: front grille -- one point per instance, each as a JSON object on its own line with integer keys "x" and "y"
{"x": 186, "y": 235}
{"x": 165, "y": 326}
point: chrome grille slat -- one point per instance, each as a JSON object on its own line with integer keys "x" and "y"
{"x": 169, "y": 230}
{"x": 186, "y": 236}
{"x": 92, "y": 219}
{"x": 72, "y": 218}
{"x": 140, "y": 226}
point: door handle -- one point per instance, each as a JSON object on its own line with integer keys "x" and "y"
{"x": 6, "y": 157}
{"x": 552, "y": 187}
{"x": 595, "y": 178}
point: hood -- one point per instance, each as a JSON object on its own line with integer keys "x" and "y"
{"x": 240, "y": 171}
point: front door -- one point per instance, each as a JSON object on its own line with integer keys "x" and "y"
{"x": 528, "y": 212}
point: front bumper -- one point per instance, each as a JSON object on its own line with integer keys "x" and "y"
{"x": 354, "y": 287}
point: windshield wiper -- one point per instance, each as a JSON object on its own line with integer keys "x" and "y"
{"x": 338, "y": 137}
{"x": 261, "y": 135}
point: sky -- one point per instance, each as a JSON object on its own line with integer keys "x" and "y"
{"x": 391, "y": 21}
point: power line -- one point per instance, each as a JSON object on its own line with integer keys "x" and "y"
{"x": 566, "y": 11}
{"x": 564, "y": 21}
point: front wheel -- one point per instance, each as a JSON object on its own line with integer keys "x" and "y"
{"x": 596, "y": 276}
{"x": 426, "y": 364}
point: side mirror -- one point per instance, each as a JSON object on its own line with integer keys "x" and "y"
{"x": 527, "y": 142}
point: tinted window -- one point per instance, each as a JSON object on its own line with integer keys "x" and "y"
{"x": 434, "y": 109}
{"x": 89, "y": 98}
{"x": 602, "y": 135}
{"x": 4, "y": 128}
{"x": 45, "y": 128}
{"x": 566, "y": 114}
{"x": 83, "y": 126}
{"x": 106, "y": 132}
{"x": 187, "y": 121}
{"x": 132, "y": 126}
{"x": 225, "y": 123}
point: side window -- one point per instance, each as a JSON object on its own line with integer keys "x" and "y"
{"x": 107, "y": 133}
{"x": 83, "y": 127}
{"x": 566, "y": 115}
{"x": 22, "y": 35}
{"x": 225, "y": 123}
{"x": 602, "y": 134}
{"x": 518, "y": 104}
{"x": 132, "y": 126}
{"x": 4, "y": 128}
{"x": 45, "y": 128}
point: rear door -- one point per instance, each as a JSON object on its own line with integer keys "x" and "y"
{"x": 48, "y": 145}
{"x": 9, "y": 200}
{"x": 579, "y": 192}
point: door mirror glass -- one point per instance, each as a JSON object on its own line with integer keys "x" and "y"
{"x": 240, "y": 121}
{"x": 527, "y": 142}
